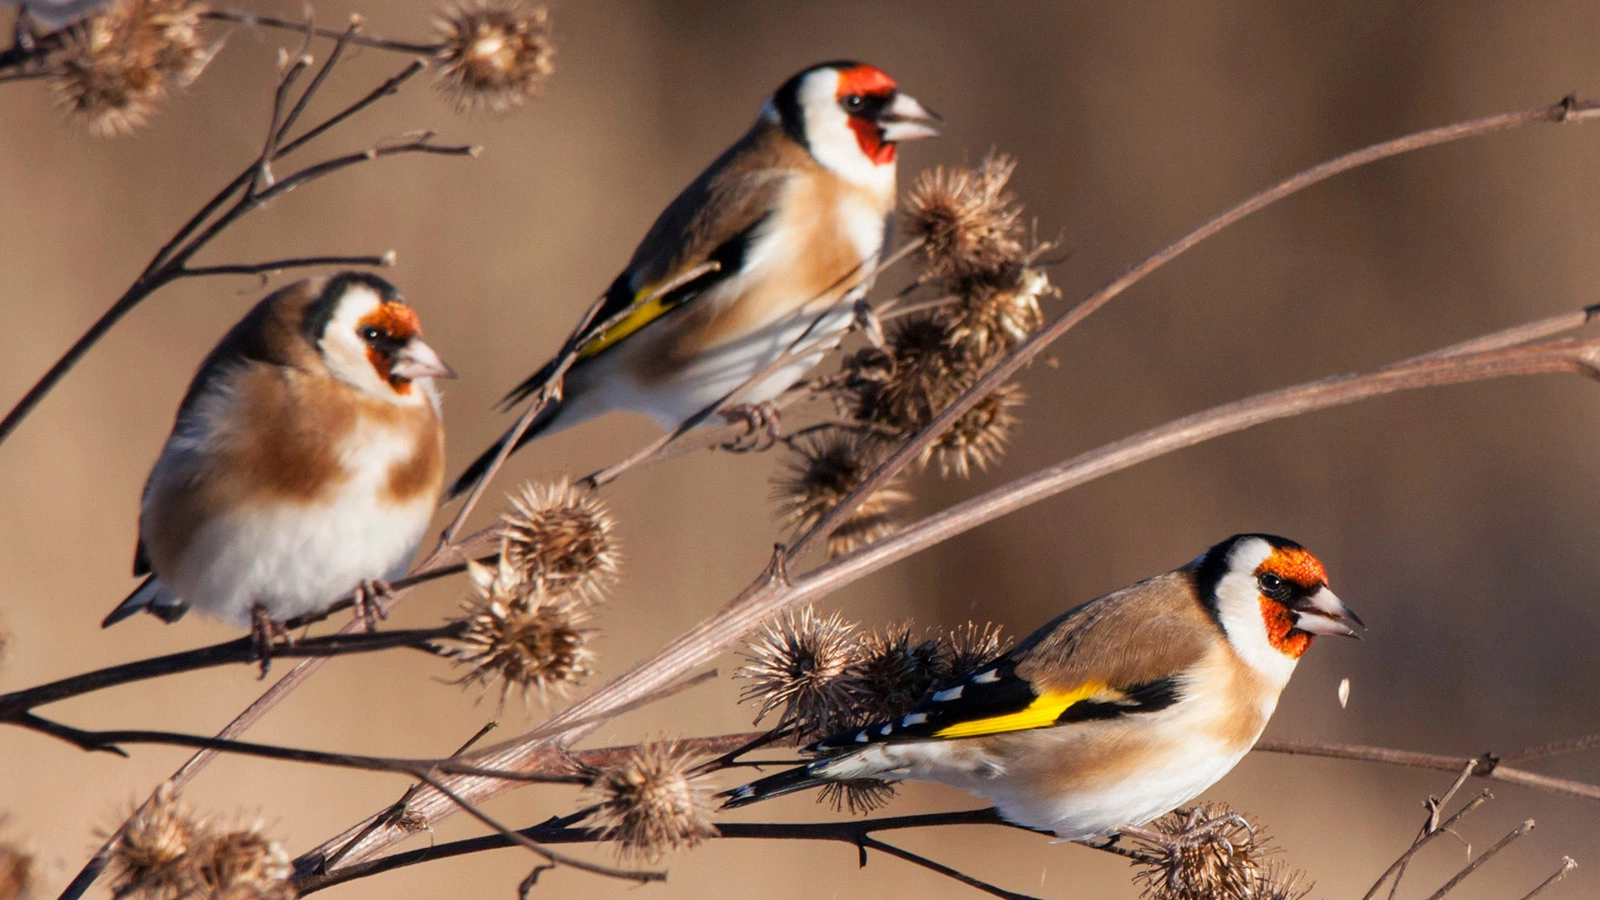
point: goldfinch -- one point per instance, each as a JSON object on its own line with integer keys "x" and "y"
{"x": 305, "y": 463}
{"x": 1118, "y": 711}
{"x": 784, "y": 230}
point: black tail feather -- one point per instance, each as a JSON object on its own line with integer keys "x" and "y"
{"x": 798, "y": 778}
{"x": 467, "y": 479}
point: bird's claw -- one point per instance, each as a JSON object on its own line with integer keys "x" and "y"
{"x": 763, "y": 421}
{"x": 371, "y": 602}
{"x": 264, "y": 635}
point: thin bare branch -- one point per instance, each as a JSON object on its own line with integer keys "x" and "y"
{"x": 1567, "y": 865}
{"x": 773, "y": 592}
{"x": 112, "y": 741}
{"x": 1568, "y": 110}
{"x": 1487, "y": 855}
{"x": 299, "y": 262}
{"x": 251, "y": 19}
{"x": 1399, "y": 865}
{"x": 1485, "y": 766}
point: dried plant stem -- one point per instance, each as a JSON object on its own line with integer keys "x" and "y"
{"x": 251, "y": 19}
{"x": 237, "y": 651}
{"x": 246, "y": 192}
{"x": 112, "y": 741}
{"x": 1567, "y": 865}
{"x": 856, "y": 832}
{"x": 773, "y": 591}
{"x": 1568, "y": 110}
{"x": 1397, "y": 868}
{"x": 1485, "y": 766}
{"x": 1487, "y": 855}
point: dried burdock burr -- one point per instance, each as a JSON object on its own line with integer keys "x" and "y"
{"x": 1207, "y": 853}
{"x": 563, "y": 537}
{"x": 647, "y": 803}
{"x": 519, "y": 635}
{"x": 16, "y": 871}
{"x": 241, "y": 864}
{"x": 494, "y": 55}
{"x": 969, "y": 646}
{"x": 979, "y": 437}
{"x": 970, "y": 225}
{"x": 857, "y": 798}
{"x": 112, "y": 68}
{"x": 151, "y": 855}
{"x": 821, "y": 472}
{"x": 797, "y": 666}
{"x": 893, "y": 670}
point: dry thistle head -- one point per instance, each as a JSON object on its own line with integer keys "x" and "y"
{"x": 151, "y": 857}
{"x": 916, "y": 375}
{"x": 970, "y": 646}
{"x": 979, "y": 436}
{"x": 520, "y": 635}
{"x": 989, "y": 318}
{"x": 1210, "y": 854}
{"x": 648, "y": 805}
{"x": 561, "y": 536}
{"x": 115, "y": 66}
{"x": 858, "y": 798}
{"x": 16, "y": 871}
{"x": 970, "y": 224}
{"x": 494, "y": 55}
{"x": 1280, "y": 881}
{"x": 242, "y": 865}
{"x": 822, "y": 472}
{"x": 893, "y": 671}
{"x": 798, "y": 664}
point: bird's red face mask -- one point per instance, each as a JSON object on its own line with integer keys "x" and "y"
{"x": 881, "y": 116}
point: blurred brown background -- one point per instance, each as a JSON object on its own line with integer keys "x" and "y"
{"x": 1460, "y": 523}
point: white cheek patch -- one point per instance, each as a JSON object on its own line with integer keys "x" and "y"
{"x": 832, "y": 141}
{"x": 1239, "y": 610}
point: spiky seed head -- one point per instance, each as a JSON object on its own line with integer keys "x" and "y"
{"x": 494, "y": 55}
{"x": 648, "y": 804}
{"x": 151, "y": 855}
{"x": 858, "y": 797}
{"x": 16, "y": 871}
{"x": 518, "y": 634}
{"x": 990, "y": 318}
{"x": 1209, "y": 854}
{"x": 112, "y": 68}
{"x": 824, "y": 470}
{"x": 979, "y": 436}
{"x": 1280, "y": 881}
{"x": 893, "y": 671}
{"x": 970, "y": 224}
{"x": 969, "y": 646}
{"x": 562, "y": 536}
{"x": 242, "y": 865}
{"x": 797, "y": 665}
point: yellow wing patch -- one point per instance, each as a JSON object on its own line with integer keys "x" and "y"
{"x": 1040, "y": 713}
{"x": 646, "y": 313}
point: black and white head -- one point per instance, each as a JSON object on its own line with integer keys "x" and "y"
{"x": 850, "y": 116}
{"x": 370, "y": 339}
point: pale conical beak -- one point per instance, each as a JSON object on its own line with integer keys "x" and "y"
{"x": 907, "y": 120}
{"x": 418, "y": 360}
{"x": 1324, "y": 613}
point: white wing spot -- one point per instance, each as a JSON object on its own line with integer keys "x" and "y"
{"x": 862, "y": 738}
{"x": 885, "y": 730}
{"x": 913, "y": 719}
{"x": 948, "y": 694}
{"x": 986, "y": 677}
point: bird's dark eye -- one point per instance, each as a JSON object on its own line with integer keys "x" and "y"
{"x": 853, "y": 103}
{"x": 370, "y": 333}
{"x": 1271, "y": 585}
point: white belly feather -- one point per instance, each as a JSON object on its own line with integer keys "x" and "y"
{"x": 295, "y": 558}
